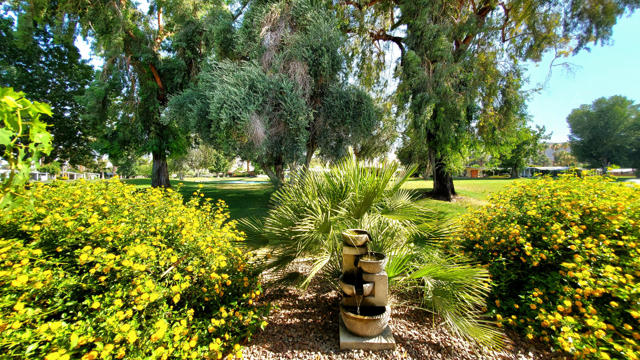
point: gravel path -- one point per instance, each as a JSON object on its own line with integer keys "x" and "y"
{"x": 304, "y": 325}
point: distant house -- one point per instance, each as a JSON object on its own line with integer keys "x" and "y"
{"x": 474, "y": 172}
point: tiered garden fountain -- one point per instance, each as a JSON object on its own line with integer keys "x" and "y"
{"x": 364, "y": 309}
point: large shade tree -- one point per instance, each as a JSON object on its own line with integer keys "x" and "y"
{"x": 148, "y": 55}
{"x": 604, "y": 133}
{"x": 241, "y": 110}
{"x": 459, "y": 67}
{"x": 50, "y": 69}
{"x": 282, "y": 96}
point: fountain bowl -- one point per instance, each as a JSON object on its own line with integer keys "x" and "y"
{"x": 372, "y": 266}
{"x": 355, "y": 237}
{"x": 350, "y": 289}
{"x": 372, "y": 321}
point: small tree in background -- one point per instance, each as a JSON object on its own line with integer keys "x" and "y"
{"x": 564, "y": 158}
{"x": 605, "y": 132}
{"x": 220, "y": 163}
{"x": 52, "y": 168}
{"x": 525, "y": 145}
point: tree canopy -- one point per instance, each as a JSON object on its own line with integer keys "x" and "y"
{"x": 148, "y": 56}
{"x": 526, "y": 144}
{"x": 605, "y": 132}
{"x": 282, "y": 95}
{"x": 459, "y": 71}
{"x": 49, "y": 68}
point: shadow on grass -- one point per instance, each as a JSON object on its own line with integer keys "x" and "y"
{"x": 244, "y": 200}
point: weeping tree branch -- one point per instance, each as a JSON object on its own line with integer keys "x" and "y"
{"x": 505, "y": 22}
{"x": 481, "y": 14}
{"x": 381, "y": 35}
{"x": 240, "y": 11}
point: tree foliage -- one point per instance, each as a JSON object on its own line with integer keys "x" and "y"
{"x": 380, "y": 140}
{"x": 242, "y": 110}
{"x": 459, "y": 69}
{"x": 564, "y": 158}
{"x": 23, "y": 140}
{"x": 49, "y": 68}
{"x": 220, "y": 163}
{"x": 526, "y": 144}
{"x": 148, "y": 56}
{"x": 282, "y": 95}
{"x": 604, "y": 133}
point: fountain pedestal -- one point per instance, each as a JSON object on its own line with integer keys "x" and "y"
{"x": 364, "y": 312}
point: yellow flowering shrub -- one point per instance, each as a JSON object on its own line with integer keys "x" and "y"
{"x": 103, "y": 270}
{"x": 564, "y": 258}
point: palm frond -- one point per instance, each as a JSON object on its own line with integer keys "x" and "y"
{"x": 457, "y": 293}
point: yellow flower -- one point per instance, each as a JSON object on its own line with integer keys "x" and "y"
{"x": 132, "y": 336}
{"x": 90, "y": 355}
{"x": 19, "y": 306}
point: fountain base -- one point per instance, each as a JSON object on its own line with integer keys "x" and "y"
{"x": 349, "y": 341}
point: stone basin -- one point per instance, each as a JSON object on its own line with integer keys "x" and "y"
{"x": 372, "y": 266}
{"x": 355, "y": 237}
{"x": 348, "y": 286}
{"x": 371, "y": 322}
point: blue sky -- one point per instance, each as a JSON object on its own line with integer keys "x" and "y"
{"x": 605, "y": 71}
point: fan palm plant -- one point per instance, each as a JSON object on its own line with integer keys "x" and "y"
{"x": 309, "y": 213}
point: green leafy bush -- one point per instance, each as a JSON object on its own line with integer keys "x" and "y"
{"x": 23, "y": 139}
{"x": 564, "y": 258}
{"x": 52, "y": 168}
{"x": 103, "y": 269}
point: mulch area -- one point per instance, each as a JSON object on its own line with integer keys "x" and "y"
{"x": 304, "y": 325}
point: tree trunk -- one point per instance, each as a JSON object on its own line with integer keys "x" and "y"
{"x": 442, "y": 181}
{"x": 273, "y": 176}
{"x": 310, "y": 150}
{"x": 160, "y": 172}
{"x": 605, "y": 166}
{"x": 425, "y": 173}
{"x": 279, "y": 169}
{"x": 515, "y": 173}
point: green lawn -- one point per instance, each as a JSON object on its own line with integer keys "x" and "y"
{"x": 244, "y": 200}
{"x": 252, "y": 199}
{"x": 473, "y": 193}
